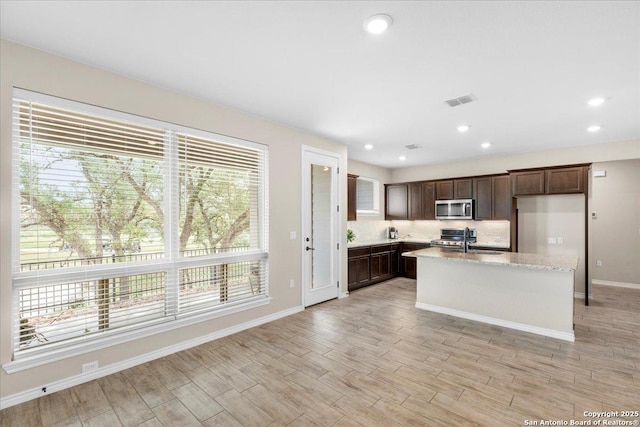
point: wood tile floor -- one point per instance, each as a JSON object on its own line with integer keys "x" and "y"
{"x": 372, "y": 359}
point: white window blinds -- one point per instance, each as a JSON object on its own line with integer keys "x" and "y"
{"x": 124, "y": 222}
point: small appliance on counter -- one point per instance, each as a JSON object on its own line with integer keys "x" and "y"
{"x": 454, "y": 238}
{"x": 393, "y": 233}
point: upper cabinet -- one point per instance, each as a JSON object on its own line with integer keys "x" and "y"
{"x": 556, "y": 180}
{"x": 454, "y": 189}
{"x": 527, "y": 183}
{"x": 352, "y": 199}
{"x": 493, "y": 197}
{"x": 444, "y": 190}
{"x": 566, "y": 180}
{"x": 429, "y": 200}
{"x": 415, "y": 203}
{"x": 396, "y": 201}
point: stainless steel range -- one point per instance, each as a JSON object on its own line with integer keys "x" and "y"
{"x": 454, "y": 238}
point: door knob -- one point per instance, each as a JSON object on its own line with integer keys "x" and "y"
{"x": 310, "y": 249}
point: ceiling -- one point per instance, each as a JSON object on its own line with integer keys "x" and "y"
{"x": 532, "y": 66}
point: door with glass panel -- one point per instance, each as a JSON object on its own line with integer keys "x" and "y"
{"x": 320, "y": 239}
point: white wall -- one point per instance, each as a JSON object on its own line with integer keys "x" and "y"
{"x": 41, "y": 72}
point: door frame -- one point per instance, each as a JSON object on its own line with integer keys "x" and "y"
{"x": 306, "y": 212}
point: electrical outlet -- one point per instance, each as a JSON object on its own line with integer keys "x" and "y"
{"x": 551, "y": 240}
{"x": 598, "y": 263}
{"x": 91, "y": 366}
{"x": 291, "y": 283}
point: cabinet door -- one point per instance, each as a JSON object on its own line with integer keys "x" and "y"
{"x": 429, "y": 200}
{"x": 415, "y": 201}
{"x": 352, "y": 196}
{"x": 463, "y": 188}
{"x": 375, "y": 266}
{"x": 352, "y": 268}
{"x": 444, "y": 190}
{"x": 395, "y": 201}
{"x": 501, "y": 197}
{"x": 394, "y": 262}
{"x": 363, "y": 271}
{"x": 566, "y": 180}
{"x": 484, "y": 197}
{"x": 385, "y": 269}
{"x": 528, "y": 182}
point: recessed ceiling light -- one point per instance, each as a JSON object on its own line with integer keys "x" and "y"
{"x": 402, "y": 158}
{"x": 594, "y": 128}
{"x": 485, "y": 144}
{"x": 596, "y": 102}
{"x": 463, "y": 128}
{"x": 368, "y": 146}
{"x": 377, "y": 24}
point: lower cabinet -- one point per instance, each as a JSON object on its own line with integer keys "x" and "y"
{"x": 373, "y": 264}
{"x": 409, "y": 265}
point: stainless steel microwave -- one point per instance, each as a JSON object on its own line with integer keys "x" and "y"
{"x": 454, "y": 209}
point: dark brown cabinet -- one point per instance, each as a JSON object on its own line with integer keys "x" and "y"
{"x": 380, "y": 262}
{"x": 493, "y": 197}
{"x": 359, "y": 269}
{"x": 416, "y": 209}
{"x": 352, "y": 197}
{"x": 463, "y": 188}
{"x": 565, "y": 180}
{"x": 396, "y": 201}
{"x": 429, "y": 200}
{"x": 528, "y": 183}
{"x": 454, "y": 189}
{"x": 555, "y": 180}
{"x": 409, "y": 264}
{"x": 368, "y": 265}
{"x": 444, "y": 190}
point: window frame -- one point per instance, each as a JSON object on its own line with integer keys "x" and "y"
{"x": 376, "y": 197}
{"x": 172, "y": 263}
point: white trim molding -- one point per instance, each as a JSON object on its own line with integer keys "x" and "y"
{"x": 499, "y": 322}
{"x": 618, "y": 284}
{"x": 103, "y": 371}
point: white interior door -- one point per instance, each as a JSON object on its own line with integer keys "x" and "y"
{"x": 321, "y": 226}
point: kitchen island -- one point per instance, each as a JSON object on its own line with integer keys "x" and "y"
{"x": 528, "y": 292}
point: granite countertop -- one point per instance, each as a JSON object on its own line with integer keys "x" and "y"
{"x": 480, "y": 243}
{"x": 509, "y": 259}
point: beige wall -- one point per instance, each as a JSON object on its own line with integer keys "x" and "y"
{"x": 557, "y": 217}
{"x": 37, "y": 71}
{"x": 615, "y": 232}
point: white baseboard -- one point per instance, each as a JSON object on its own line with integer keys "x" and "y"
{"x": 40, "y": 391}
{"x": 618, "y": 284}
{"x": 343, "y": 295}
{"x": 566, "y": 336}
{"x": 580, "y": 295}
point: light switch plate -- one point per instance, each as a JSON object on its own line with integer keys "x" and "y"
{"x": 292, "y": 235}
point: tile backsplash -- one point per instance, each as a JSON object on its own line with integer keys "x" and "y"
{"x": 487, "y": 231}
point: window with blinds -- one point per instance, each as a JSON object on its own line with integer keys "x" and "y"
{"x": 367, "y": 196}
{"x": 124, "y": 222}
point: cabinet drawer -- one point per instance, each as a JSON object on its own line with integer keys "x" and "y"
{"x": 355, "y": 252}
{"x": 380, "y": 248}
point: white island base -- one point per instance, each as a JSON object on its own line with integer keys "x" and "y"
{"x": 484, "y": 289}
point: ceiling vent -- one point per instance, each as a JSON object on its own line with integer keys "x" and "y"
{"x": 465, "y": 99}
{"x": 411, "y": 146}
